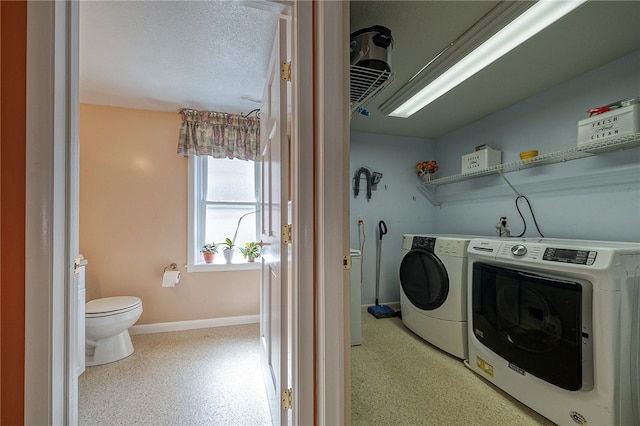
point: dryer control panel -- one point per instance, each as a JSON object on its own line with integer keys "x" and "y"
{"x": 452, "y": 247}
{"x": 427, "y": 243}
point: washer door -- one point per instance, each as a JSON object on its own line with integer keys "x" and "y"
{"x": 535, "y": 323}
{"x": 424, "y": 279}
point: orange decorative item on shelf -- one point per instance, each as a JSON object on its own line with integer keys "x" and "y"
{"x": 426, "y": 168}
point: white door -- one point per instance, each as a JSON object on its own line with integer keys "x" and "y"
{"x": 274, "y": 207}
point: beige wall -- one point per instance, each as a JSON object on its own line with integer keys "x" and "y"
{"x": 133, "y": 219}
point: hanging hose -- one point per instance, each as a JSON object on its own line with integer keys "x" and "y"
{"x": 367, "y": 175}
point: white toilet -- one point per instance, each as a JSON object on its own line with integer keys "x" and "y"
{"x": 107, "y": 323}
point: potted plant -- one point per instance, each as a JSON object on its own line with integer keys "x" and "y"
{"x": 227, "y": 249}
{"x": 209, "y": 251}
{"x": 426, "y": 169}
{"x": 251, "y": 250}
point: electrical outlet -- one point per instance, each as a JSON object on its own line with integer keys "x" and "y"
{"x": 502, "y": 227}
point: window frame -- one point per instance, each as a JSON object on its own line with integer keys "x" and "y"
{"x": 196, "y": 216}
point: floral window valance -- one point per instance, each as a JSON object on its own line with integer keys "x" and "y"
{"x": 219, "y": 135}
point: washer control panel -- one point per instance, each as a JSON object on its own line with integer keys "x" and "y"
{"x": 581, "y": 257}
{"x": 552, "y": 253}
{"x": 537, "y": 252}
{"x": 509, "y": 250}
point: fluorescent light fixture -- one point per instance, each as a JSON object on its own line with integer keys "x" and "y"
{"x": 533, "y": 20}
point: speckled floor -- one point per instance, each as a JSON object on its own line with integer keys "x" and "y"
{"x": 213, "y": 377}
{"x": 210, "y": 376}
{"x": 399, "y": 379}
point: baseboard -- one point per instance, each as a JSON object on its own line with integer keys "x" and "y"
{"x": 163, "y": 327}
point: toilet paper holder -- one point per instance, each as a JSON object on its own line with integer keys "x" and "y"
{"x": 173, "y": 266}
{"x": 170, "y": 276}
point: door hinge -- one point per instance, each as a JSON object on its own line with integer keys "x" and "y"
{"x": 346, "y": 262}
{"x": 286, "y": 234}
{"x": 287, "y": 399}
{"x": 285, "y": 71}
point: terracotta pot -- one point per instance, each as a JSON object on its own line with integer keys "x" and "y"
{"x": 209, "y": 257}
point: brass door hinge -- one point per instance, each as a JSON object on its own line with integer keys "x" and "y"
{"x": 286, "y": 234}
{"x": 346, "y": 262}
{"x": 285, "y": 71}
{"x": 287, "y": 399}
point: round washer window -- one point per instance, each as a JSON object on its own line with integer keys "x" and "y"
{"x": 424, "y": 279}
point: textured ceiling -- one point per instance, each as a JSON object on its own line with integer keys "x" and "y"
{"x": 163, "y": 55}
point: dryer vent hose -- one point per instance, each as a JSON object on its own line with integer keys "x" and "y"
{"x": 367, "y": 175}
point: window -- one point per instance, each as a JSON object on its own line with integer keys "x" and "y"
{"x": 221, "y": 191}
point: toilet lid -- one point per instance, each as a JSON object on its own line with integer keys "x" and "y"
{"x": 111, "y": 304}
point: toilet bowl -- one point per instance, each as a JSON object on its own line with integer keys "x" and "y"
{"x": 107, "y": 323}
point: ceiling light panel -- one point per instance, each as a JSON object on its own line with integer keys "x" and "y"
{"x": 502, "y": 32}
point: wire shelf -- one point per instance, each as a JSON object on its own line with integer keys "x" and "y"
{"x": 366, "y": 83}
{"x": 629, "y": 141}
{"x": 555, "y": 157}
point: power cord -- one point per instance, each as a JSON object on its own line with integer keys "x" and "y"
{"x": 522, "y": 217}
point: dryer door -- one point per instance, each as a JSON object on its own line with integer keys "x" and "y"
{"x": 424, "y": 279}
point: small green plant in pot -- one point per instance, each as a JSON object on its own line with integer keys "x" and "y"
{"x": 227, "y": 249}
{"x": 251, "y": 250}
{"x": 209, "y": 251}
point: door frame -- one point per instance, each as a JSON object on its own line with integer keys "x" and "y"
{"x": 302, "y": 212}
{"x": 320, "y": 143}
{"x": 52, "y": 121}
{"x": 331, "y": 140}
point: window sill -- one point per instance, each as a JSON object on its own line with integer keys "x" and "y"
{"x": 222, "y": 267}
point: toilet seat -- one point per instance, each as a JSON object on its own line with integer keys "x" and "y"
{"x": 109, "y": 306}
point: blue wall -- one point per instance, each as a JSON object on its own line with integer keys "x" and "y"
{"x": 591, "y": 198}
{"x": 396, "y": 201}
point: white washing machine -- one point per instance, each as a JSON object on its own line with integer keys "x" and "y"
{"x": 433, "y": 289}
{"x": 556, "y": 324}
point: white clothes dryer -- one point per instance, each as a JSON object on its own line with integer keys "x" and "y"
{"x": 556, "y": 324}
{"x": 433, "y": 289}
